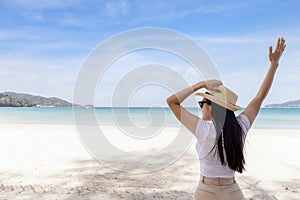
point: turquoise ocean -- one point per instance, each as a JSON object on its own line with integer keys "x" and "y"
{"x": 268, "y": 118}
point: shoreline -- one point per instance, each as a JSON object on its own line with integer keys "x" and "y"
{"x": 259, "y": 129}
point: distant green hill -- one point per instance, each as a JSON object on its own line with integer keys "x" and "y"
{"x": 289, "y": 104}
{"x": 12, "y": 99}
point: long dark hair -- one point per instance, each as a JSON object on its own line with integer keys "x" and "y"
{"x": 225, "y": 122}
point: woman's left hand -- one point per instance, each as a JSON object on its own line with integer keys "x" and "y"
{"x": 275, "y": 56}
{"x": 213, "y": 85}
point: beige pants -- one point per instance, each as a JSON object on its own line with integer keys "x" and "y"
{"x": 218, "y": 189}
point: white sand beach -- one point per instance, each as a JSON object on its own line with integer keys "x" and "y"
{"x": 49, "y": 162}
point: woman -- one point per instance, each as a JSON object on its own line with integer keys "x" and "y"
{"x": 220, "y": 135}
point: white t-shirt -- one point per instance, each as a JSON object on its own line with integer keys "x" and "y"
{"x": 210, "y": 164}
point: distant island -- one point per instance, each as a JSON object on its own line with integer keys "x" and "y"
{"x": 12, "y": 99}
{"x": 289, "y": 104}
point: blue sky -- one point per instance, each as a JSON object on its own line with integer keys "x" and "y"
{"x": 43, "y": 43}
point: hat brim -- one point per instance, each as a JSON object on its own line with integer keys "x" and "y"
{"x": 220, "y": 102}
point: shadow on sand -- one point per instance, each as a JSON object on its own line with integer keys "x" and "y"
{"x": 90, "y": 179}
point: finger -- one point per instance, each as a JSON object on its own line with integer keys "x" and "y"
{"x": 270, "y": 49}
{"x": 278, "y": 43}
{"x": 281, "y": 52}
{"x": 282, "y": 46}
{"x": 217, "y": 89}
{"x": 219, "y": 82}
{"x": 216, "y": 82}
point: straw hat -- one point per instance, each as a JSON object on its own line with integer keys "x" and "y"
{"x": 226, "y": 98}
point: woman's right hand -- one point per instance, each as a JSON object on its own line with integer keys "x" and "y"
{"x": 275, "y": 56}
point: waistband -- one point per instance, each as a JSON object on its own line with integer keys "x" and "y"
{"x": 217, "y": 181}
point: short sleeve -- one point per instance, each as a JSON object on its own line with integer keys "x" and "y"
{"x": 244, "y": 123}
{"x": 206, "y": 137}
{"x": 202, "y": 130}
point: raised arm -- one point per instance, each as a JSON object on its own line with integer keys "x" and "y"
{"x": 253, "y": 108}
{"x": 188, "y": 119}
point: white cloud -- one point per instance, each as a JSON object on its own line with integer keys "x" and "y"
{"x": 243, "y": 63}
{"x": 44, "y": 4}
{"x": 9, "y": 34}
{"x": 133, "y": 65}
{"x": 38, "y": 76}
{"x": 116, "y": 9}
{"x": 43, "y": 52}
{"x": 192, "y": 76}
{"x": 114, "y": 12}
{"x": 166, "y": 11}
